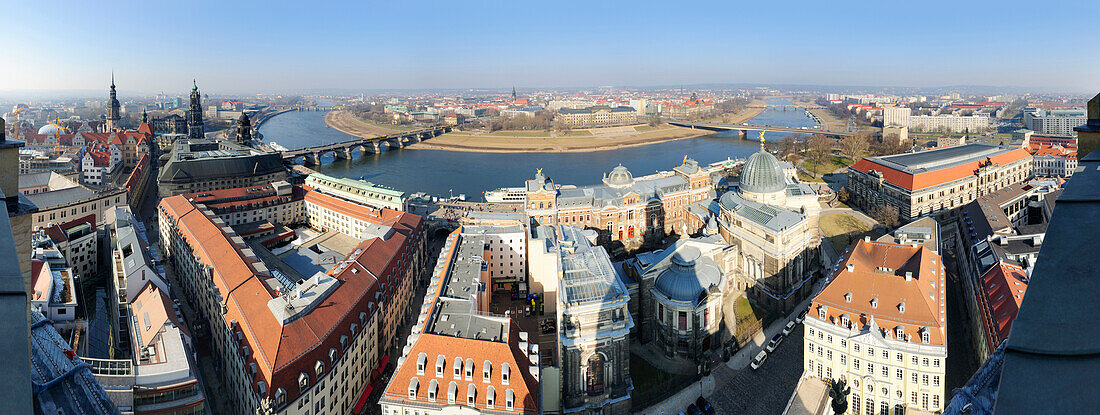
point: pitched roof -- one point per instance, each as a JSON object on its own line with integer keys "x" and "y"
{"x": 1004, "y": 286}
{"x": 876, "y": 287}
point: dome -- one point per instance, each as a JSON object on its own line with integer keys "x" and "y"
{"x": 619, "y": 177}
{"x": 688, "y": 277}
{"x": 48, "y": 129}
{"x": 762, "y": 174}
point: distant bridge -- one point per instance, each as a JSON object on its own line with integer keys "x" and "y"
{"x": 786, "y": 107}
{"x": 743, "y": 129}
{"x": 344, "y": 150}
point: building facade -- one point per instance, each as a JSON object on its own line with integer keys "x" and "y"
{"x": 1055, "y": 122}
{"x": 951, "y": 123}
{"x": 596, "y": 116}
{"x": 623, "y": 208}
{"x": 880, "y": 325}
{"x": 936, "y": 182}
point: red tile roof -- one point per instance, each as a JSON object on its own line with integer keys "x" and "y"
{"x": 283, "y": 351}
{"x": 878, "y": 274}
{"x": 1004, "y": 286}
{"x": 935, "y": 177}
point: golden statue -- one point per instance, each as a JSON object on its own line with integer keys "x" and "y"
{"x": 761, "y": 140}
{"x": 685, "y": 160}
{"x": 538, "y": 171}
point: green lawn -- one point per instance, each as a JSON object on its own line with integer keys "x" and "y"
{"x": 747, "y": 314}
{"x": 841, "y": 229}
{"x": 644, "y": 375}
{"x": 835, "y": 162}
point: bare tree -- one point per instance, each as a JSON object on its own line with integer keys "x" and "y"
{"x": 886, "y": 215}
{"x": 856, "y": 145}
{"x": 818, "y": 151}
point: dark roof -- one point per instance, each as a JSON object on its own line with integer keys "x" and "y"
{"x": 1054, "y": 346}
{"x": 47, "y": 200}
{"x": 62, "y": 382}
{"x": 191, "y": 162}
{"x": 595, "y": 108}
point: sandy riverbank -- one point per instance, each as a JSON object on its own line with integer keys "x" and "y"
{"x": 348, "y": 124}
{"x": 599, "y": 140}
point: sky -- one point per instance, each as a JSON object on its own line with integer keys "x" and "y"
{"x": 279, "y": 46}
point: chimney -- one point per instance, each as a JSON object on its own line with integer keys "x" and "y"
{"x": 866, "y": 239}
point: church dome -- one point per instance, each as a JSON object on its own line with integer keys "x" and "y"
{"x": 48, "y": 129}
{"x": 688, "y": 277}
{"x": 619, "y": 177}
{"x": 762, "y": 174}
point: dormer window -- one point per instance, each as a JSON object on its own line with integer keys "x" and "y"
{"x": 440, "y": 364}
{"x": 414, "y": 384}
{"x": 844, "y": 321}
{"x": 901, "y": 307}
{"x": 303, "y": 382}
{"x": 452, "y": 393}
{"x": 509, "y": 400}
{"x": 874, "y": 303}
{"x": 458, "y": 368}
{"x": 490, "y": 396}
{"x": 433, "y": 390}
{"x": 900, "y": 332}
{"x": 421, "y": 361}
{"x": 280, "y": 397}
{"x": 471, "y": 394}
{"x": 332, "y": 356}
{"x": 848, "y": 297}
{"x": 504, "y": 372}
{"x": 319, "y": 369}
{"x": 925, "y": 336}
{"x": 821, "y": 312}
{"x": 469, "y": 369}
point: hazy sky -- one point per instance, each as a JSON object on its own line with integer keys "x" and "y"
{"x": 232, "y": 47}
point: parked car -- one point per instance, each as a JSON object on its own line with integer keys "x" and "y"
{"x": 787, "y": 329}
{"x": 801, "y": 315}
{"x": 778, "y": 338}
{"x": 704, "y": 406}
{"x": 694, "y": 410}
{"x": 759, "y": 360}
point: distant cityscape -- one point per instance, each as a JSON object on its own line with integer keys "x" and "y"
{"x": 176, "y": 259}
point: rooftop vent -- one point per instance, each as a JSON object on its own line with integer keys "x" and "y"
{"x": 908, "y": 276}
{"x": 851, "y": 267}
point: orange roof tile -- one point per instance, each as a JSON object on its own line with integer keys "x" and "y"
{"x": 1004, "y": 286}
{"x": 878, "y": 273}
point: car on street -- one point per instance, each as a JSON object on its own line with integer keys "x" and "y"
{"x": 759, "y": 360}
{"x": 694, "y": 410}
{"x": 778, "y": 338}
{"x": 787, "y": 329}
{"x": 801, "y": 315}
{"x": 704, "y": 406}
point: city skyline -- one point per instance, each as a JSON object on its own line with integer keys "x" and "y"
{"x": 245, "y": 48}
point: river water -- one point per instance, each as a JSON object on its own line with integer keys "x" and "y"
{"x": 443, "y": 173}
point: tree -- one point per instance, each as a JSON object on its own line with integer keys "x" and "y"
{"x": 886, "y": 215}
{"x": 856, "y": 145}
{"x": 790, "y": 145}
{"x": 843, "y": 196}
{"x": 818, "y": 151}
{"x": 839, "y": 393}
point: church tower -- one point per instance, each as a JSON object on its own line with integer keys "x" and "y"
{"x": 195, "y": 128}
{"x": 113, "y": 117}
{"x": 513, "y": 93}
{"x": 244, "y": 129}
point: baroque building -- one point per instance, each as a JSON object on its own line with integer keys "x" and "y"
{"x": 771, "y": 222}
{"x": 622, "y": 208}
{"x": 195, "y": 129}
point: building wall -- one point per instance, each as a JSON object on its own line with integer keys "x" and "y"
{"x": 869, "y": 363}
{"x": 96, "y": 205}
{"x": 172, "y": 188}
{"x": 940, "y": 201}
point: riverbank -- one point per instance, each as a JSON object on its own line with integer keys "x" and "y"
{"x": 349, "y": 124}
{"x": 601, "y": 139}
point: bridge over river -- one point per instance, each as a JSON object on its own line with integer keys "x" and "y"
{"x": 345, "y": 149}
{"x": 743, "y": 129}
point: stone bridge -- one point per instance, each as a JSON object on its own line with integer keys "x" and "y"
{"x": 743, "y": 129}
{"x": 346, "y": 149}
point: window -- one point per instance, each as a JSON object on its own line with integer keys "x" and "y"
{"x": 924, "y": 362}
{"x": 490, "y": 396}
{"x": 935, "y": 401}
{"x": 509, "y": 400}
{"x": 914, "y": 378}
{"x": 471, "y": 394}
{"x": 458, "y": 368}
{"x": 414, "y": 384}
{"x": 885, "y": 372}
{"x": 935, "y": 362}
{"x": 935, "y": 381}
{"x": 504, "y": 372}
{"x": 843, "y": 359}
{"x": 594, "y": 375}
{"x": 924, "y": 380}
{"x": 899, "y": 374}
{"x": 421, "y": 361}
{"x": 870, "y": 368}
{"x": 486, "y": 371}
{"x": 433, "y": 390}
{"x": 855, "y": 348}
{"x": 924, "y": 400}
{"x": 440, "y": 362}
{"x": 913, "y": 398}
{"x": 469, "y": 369}
{"x": 899, "y": 357}
{"x": 855, "y": 364}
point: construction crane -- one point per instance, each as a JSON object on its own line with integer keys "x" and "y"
{"x": 57, "y": 124}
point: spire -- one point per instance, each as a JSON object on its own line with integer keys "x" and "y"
{"x": 194, "y": 84}
{"x": 112, "y": 79}
{"x": 144, "y": 116}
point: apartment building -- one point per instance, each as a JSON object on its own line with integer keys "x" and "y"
{"x": 1055, "y": 121}
{"x": 76, "y": 240}
{"x": 290, "y": 342}
{"x": 880, "y": 325}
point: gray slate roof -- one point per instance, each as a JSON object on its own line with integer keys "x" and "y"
{"x": 771, "y": 217}
{"x": 47, "y": 200}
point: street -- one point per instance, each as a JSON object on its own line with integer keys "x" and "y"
{"x": 765, "y": 390}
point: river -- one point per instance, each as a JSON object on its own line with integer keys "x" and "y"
{"x": 443, "y": 173}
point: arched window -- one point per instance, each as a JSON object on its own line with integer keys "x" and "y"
{"x": 594, "y": 375}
